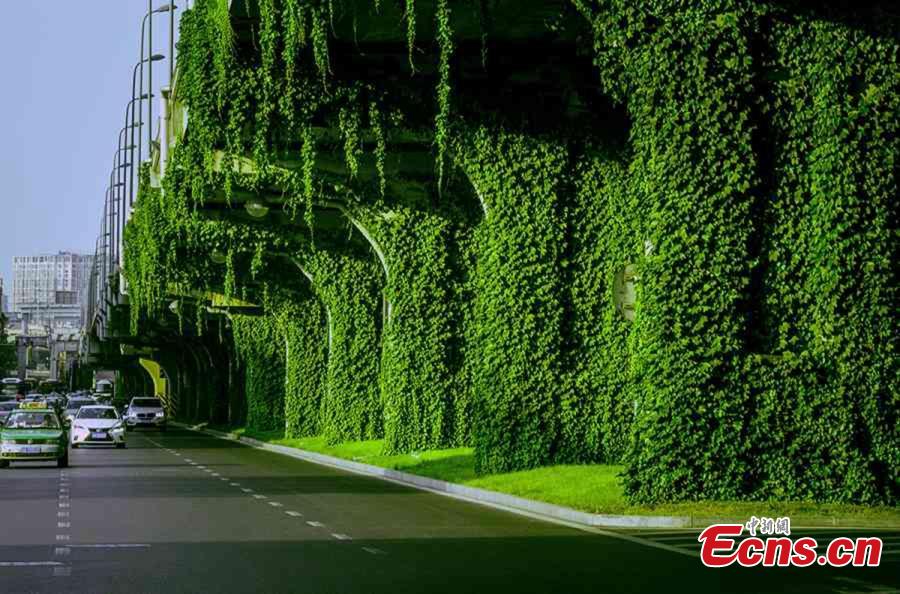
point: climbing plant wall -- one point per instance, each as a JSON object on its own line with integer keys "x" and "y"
{"x": 301, "y": 320}
{"x": 349, "y": 288}
{"x": 260, "y": 345}
{"x": 709, "y": 302}
{"x": 518, "y": 375}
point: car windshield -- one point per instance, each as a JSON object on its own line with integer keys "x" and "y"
{"x": 90, "y": 412}
{"x": 146, "y": 403}
{"x": 76, "y": 404}
{"x": 32, "y": 420}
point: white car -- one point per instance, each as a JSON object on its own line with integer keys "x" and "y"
{"x": 146, "y": 412}
{"x": 97, "y": 425}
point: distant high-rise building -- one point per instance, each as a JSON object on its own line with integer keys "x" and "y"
{"x": 4, "y": 300}
{"x": 49, "y": 289}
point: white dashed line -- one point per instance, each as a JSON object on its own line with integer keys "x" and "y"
{"x": 64, "y": 505}
{"x": 62, "y": 537}
{"x": 275, "y": 504}
{"x": 64, "y": 524}
{"x": 62, "y": 514}
{"x": 294, "y": 514}
{"x": 257, "y": 496}
{"x": 341, "y": 536}
{"x": 62, "y": 551}
{"x": 234, "y": 484}
{"x": 63, "y": 571}
{"x": 315, "y": 524}
{"x": 247, "y": 490}
{"x": 374, "y": 551}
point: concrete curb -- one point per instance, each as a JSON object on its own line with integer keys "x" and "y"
{"x": 529, "y": 507}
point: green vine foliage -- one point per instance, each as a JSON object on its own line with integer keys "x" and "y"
{"x": 422, "y": 340}
{"x": 301, "y": 320}
{"x": 825, "y": 406}
{"x": 754, "y": 203}
{"x": 349, "y": 288}
{"x": 597, "y": 411}
{"x": 518, "y": 375}
{"x": 260, "y": 346}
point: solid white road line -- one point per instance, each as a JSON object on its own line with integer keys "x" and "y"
{"x": 110, "y": 546}
{"x": 30, "y": 564}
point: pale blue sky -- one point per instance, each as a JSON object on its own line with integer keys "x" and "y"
{"x": 66, "y": 70}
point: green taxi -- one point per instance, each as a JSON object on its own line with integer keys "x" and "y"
{"x": 33, "y": 433}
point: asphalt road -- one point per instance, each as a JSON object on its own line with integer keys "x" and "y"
{"x": 183, "y": 512}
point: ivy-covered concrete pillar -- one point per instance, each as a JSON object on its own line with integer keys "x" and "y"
{"x": 301, "y": 320}
{"x": 516, "y": 361}
{"x": 260, "y": 345}
{"x": 687, "y": 85}
{"x": 828, "y": 395}
{"x": 605, "y": 245}
{"x": 425, "y": 401}
{"x": 349, "y": 288}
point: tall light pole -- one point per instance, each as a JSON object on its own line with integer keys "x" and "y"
{"x": 149, "y": 94}
{"x": 150, "y": 12}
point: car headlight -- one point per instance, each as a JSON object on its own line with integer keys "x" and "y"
{"x": 160, "y": 414}
{"x": 118, "y": 427}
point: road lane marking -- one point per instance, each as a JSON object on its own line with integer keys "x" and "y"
{"x": 63, "y": 571}
{"x": 62, "y": 537}
{"x": 275, "y": 504}
{"x": 294, "y": 514}
{"x": 339, "y": 536}
{"x": 64, "y": 505}
{"x": 62, "y": 514}
{"x": 110, "y": 546}
{"x": 374, "y": 551}
{"x": 64, "y": 524}
{"x": 235, "y": 484}
{"x": 62, "y": 551}
{"x": 247, "y": 490}
{"x": 315, "y": 524}
{"x": 30, "y": 564}
{"x": 258, "y": 496}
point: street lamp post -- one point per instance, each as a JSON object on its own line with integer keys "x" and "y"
{"x": 150, "y": 11}
{"x": 149, "y": 96}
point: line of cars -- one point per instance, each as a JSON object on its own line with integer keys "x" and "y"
{"x": 44, "y": 428}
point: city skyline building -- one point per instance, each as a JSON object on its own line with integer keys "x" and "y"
{"x": 49, "y": 289}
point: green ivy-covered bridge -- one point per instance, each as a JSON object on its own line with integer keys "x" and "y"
{"x": 657, "y": 233}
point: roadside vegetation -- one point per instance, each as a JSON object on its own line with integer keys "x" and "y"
{"x": 593, "y": 488}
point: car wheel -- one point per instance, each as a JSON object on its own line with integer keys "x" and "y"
{"x": 63, "y": 462}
